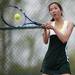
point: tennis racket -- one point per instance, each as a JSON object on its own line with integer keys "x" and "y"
{"x": 14, "y": 16}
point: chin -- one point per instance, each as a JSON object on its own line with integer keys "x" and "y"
{"x": 56, "y": 18}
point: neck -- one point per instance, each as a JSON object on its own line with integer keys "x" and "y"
{"x": 59, "y": 21}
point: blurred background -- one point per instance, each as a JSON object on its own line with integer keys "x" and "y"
{"x": 22, "y": 50}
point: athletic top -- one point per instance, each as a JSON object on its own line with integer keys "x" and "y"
{"x": 62, "y": 30}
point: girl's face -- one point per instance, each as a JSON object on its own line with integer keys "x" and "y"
{"x": 55, "y": 11}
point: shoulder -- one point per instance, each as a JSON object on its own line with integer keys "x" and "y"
{"x": 69, "y": 23}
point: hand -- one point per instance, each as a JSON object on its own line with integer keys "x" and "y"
{"x": 47, "y": 25}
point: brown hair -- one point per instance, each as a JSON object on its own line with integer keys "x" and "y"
{"x": 60, "y": 7}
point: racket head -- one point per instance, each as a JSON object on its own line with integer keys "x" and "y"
{"x": 13, "y": 16}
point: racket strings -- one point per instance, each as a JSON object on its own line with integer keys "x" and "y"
{"x": 15, "y": 17}
{"x": 10, "y": 19}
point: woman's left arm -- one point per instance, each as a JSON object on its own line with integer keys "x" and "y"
{"x": 64, "y": 37}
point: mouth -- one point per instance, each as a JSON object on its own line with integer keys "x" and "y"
{"x": 54, "y": 15}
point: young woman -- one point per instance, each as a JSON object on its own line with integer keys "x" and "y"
{"x": 59, "y": 31}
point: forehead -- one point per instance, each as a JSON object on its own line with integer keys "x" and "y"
{"x": 54, "y": 5}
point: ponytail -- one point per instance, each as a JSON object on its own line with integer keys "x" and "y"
{"x": 52, "y": 19}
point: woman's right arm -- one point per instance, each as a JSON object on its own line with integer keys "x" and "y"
{"x": 46, "y": 35}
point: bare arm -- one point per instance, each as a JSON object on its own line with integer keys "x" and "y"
{"x": 64, "y": 37}
{"x": 46, "y": 35}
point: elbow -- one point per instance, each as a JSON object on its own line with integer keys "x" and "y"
{"x": 64, "y": 41}
{"x": 45, "y": 41}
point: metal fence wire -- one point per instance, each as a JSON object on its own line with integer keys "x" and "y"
{"x": 22, "y": 50}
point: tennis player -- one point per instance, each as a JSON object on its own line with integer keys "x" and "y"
{"x": 57, "y": 32}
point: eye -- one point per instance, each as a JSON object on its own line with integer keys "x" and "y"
{"x": 51, "y": 9}
{"x": 55, "y": 8}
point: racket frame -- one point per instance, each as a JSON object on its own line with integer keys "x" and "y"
{"x": 38, "y": 25}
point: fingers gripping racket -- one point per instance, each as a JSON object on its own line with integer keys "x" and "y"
{"x": 14, "y": 16}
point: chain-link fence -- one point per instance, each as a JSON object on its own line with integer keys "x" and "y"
{"x": 22, "y": 50}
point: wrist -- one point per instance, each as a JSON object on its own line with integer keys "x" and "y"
{"x": 53, "y": 28}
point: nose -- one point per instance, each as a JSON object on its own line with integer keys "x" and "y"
{"x": 53, "y": 11}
